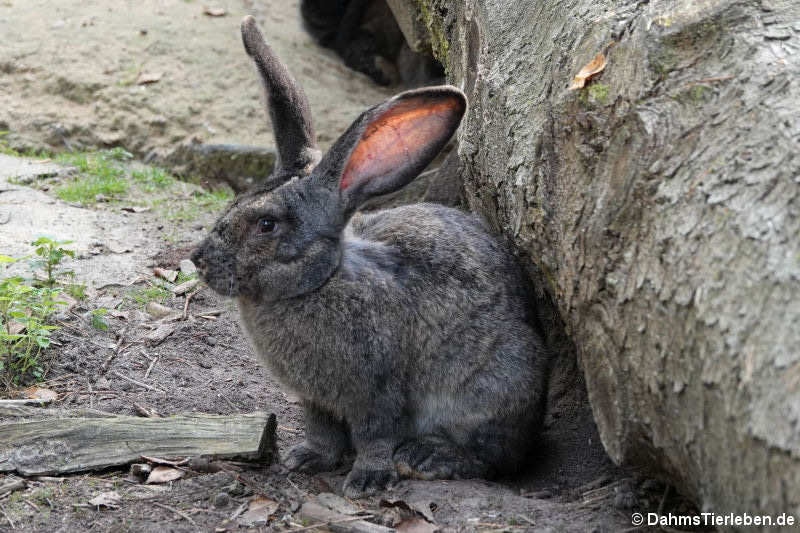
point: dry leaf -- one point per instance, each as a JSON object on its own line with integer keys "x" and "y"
{"x": 154, "y": 338}
{"x": 338, "y": 504}
{"x": 106, "y": 499}
{"x": 420, "y": 509}
{"x": 163, "y": 474}
{"x": 40, "y": 393}
{"x": 590, "y": 69}
{"x": 15, "y": 328}
{"x": 416, "y": 525}
{"x": 157, "y": 310}
{"x": 258, "y": 512}
{"x": 214, "y": 11}
{"x": 146, "y": 78}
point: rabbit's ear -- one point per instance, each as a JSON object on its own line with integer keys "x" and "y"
{"x": 390, "y": 144}
{"x": 287, "y": 103}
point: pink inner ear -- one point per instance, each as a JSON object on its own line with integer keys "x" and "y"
{"x": 395, "y": 137}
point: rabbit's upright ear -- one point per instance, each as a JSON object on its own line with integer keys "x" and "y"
{"x": 390, "y": 144}
{"x": 288, "y": 106}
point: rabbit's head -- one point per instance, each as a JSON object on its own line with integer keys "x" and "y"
{"x": 283, "y": 237}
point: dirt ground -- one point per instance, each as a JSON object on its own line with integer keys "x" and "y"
{"x": 85, "y": 94}
{"x": 74, "y": 74}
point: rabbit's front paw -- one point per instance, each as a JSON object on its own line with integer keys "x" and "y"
{"x": 362, "y": 482}
{"x": 302, "y": 458}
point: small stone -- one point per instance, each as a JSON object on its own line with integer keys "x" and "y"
{"x": 211, "y": 341}
{"x": 187, "y": 267}
{"x": 223, "y": 499}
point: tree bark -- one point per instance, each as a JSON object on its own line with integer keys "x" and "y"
{"x": 658, "y": 208}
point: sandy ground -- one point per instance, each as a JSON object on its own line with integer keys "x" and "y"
{"x": 73, "y": 72}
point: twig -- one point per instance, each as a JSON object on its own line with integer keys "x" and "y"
{"x": 186, "y": 303}
{"x": 709, "y": 80}
{"x": 35, "y": 507}
{"x": 225, "y": 398}
{"x": 117, "y": 349}
{"x": 331, "y": 522}
{"x": 177, "y": 512}
{"x": 239, "y": 510}
{"x": 135, "y": 382}
{"x": 3, "y": 510}
{"x": 528, "y": 520}
{"x": 150, "y": 368}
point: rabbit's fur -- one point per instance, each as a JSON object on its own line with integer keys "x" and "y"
{"x": 405, "y": 332}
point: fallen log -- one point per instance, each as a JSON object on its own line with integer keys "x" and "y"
{"x": 70, "y": 444}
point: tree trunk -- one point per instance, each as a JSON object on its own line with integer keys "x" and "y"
{"x": 659, "y": 209}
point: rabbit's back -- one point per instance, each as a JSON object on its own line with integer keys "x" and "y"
{"x": 439, "y": 250}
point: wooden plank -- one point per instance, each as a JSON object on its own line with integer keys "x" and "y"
{"x": 63, "y": 445}
{"x": 22, "y": 411}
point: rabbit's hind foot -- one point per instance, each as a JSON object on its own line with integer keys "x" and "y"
{"x": 431, "y": 457}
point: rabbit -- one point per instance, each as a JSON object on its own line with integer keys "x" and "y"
{"x": 406, "y": 332}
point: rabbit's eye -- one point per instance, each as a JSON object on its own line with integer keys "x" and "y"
{"x": 265, "y": 225}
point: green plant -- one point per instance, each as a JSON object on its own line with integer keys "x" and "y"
{"x": 153, "y": 178}
{"x": 24, "y": 332}
{"x": 154, "y": 293}
{"x": 76, "y": 290}
{"x": 201, "y": 201}
{"x": 98, "y": 319}
{"x": 100, "y": 174}
{"x": 182, "y": 278}
{"x": 51, "y": 253}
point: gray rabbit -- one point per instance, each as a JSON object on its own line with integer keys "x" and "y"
{"x": 404, "y": 332}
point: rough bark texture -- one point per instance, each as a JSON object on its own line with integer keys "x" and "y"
{"x": 659, "y": 210}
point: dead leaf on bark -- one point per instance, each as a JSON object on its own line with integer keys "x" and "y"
{"x": 163, "y": 474}
{"x": 214, "y": 11}
{"x": 146, "y": 78}
{"x": 258, "y": 512}
{"x": 106, "y": 499}
{"x": 40, "y": 393}
{"x": 589, "y": 70}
